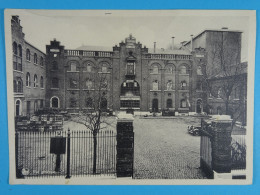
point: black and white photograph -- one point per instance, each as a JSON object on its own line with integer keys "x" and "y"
{"x": 159, "y": 97}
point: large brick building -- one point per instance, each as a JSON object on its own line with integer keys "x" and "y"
{"x": 137, "y": 77}
{"x": 29, "y": 73}
{"x": 133, "y": 76}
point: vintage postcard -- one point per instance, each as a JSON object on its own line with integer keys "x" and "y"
{"x": 134, "y": 97}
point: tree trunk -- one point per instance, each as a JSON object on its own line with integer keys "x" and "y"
{"x": 226, "y": 105}
{"x": 95, "y": 153}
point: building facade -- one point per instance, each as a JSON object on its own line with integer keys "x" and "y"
{"x": 29, "y": 73}
{"x": 129, "y": 75}
{"x": 136, "y": 77}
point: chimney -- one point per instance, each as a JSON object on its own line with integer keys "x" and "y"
{"x": 224, "y": 28}
{"x": 172, "y": 43}
{"x": 154, "y": 47}
{"x": 191, "y": 42}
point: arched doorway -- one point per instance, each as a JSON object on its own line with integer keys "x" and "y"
{"x": 18, "y": 107}
{"x": 155, "y": 105}
{"x": 219, "y": 110}
{"x": 199, "y": 108}
{"x": 169, "y": 103}
{"x": 103, "y": 104}
{"x": 55, "y": 102}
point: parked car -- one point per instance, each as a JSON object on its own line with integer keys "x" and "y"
{"x": 194, "y": 130}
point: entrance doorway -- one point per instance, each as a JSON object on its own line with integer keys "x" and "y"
{"x": 199, "y": 106}
{"x": 54, "y": 102}
{"x": 155, "y": 105}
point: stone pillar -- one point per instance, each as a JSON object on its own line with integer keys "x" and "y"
{"x": 125, "y": 145}
{"x": 221, "y": 144}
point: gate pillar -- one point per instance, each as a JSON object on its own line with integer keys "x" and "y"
{"x": 221, "y": 144}
{"x": 125, "y": 145}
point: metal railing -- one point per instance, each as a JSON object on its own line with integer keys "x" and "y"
{"x": 238, "y": 152}
{"x": 36, "y": 156}
{"x": 88, "y": 53}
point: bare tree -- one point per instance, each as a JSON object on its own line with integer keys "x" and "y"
{"x": 224, "y": 69}
{"x": 93, "y": 116}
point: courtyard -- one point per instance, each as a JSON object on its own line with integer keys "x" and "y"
{"x": 163, "y": 149}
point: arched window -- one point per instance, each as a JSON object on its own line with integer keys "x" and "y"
{"x": 35, "y": 59}
{"x": 55, "y": 102}
{"x": 41, "y": 61}
{"x": 28, "y": 79}
{"x": 41, "y": 82}
{"x": 169, "y": 69}
{"x": 89, "y": 68}
{"x": 73, "y": 102}
{"x": 219, "y": 93}
{"x": 89, "y": 84}
{"x": 35, "y": 105}
{"x": 219, "y": 110}
{"x": 155, "y": 69}
{"x": 183, "y": 85}
{"x": 169, "y": 103}
{"x": 169, "y": 85}
{"x": 89, "y": 103}
{"x": 183, "y": 69}
{"x": 55, "y": 83}
{"x": 73, "y": 67}
{"x": 54, "y": 65}
{"x": 183, "y": 103}
{"x": 199, "y": 70}
{"x": 104, "y": 68}
{"x": 155, "y": 85}
{"x": 18, "y": 108}
{"x": 104, "y": 84}
{"x": 19, "y": 86}
{"x": 15, "y": 86}
{"x": 28, "y": 55}
{"x": 15, "y": 48}
{"x": 20, "y": 51}
{"x": 35, "y": 81}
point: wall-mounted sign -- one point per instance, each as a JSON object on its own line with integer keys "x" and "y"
{"x": 54, "y": 50}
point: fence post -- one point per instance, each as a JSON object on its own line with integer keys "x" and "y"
{"x": 221, "y": 146}
{"x": 17, "y": 170}
{"x": 125, "y": 145}
{"x": 68, "y": 155}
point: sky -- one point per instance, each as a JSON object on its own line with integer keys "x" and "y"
{"x": 109, "y": 27}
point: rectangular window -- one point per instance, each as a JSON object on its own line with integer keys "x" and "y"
{"x": 28, "y": 107}
{"x": 73, "y": 84}
{"x": 41, "y": 104}
{"x": 130, "y": 68}
{"x": 130, "y": 103}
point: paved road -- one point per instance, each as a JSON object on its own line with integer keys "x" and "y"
{"x": 164, "y": 149}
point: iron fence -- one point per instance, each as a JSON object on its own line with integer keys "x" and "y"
{"x": 65, "y": 153}
{"x": 206, "y": 155}
{"x": 238, "y": 152}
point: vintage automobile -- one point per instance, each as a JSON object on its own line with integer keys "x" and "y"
{"x": 194, "y": 130}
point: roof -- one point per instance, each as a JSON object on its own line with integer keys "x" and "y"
{"x": 167, "y": 51}
{"x": 212, "y": 30}
{"x": 94, "y": 48}
{"x": 34, "y": 47}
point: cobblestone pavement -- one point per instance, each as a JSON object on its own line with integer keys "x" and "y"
{"x": 165, "y": 150}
